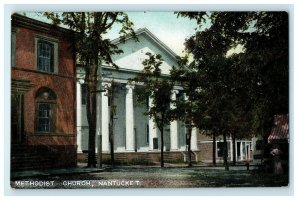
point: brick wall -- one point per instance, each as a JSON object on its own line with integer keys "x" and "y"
{"x": 59, "y": 146}
{"x": 61, "y": 83}
{"x": 205, "y": 151}
{"x": 25, "y": 51}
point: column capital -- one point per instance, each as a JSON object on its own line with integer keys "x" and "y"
{"x": 174, "y": 91}
{"x": 106, "y": 85}
{"x": 130, "y": 86}
{"x": 80, "y": 81}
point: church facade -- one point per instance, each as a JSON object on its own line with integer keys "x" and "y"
{"x": 134, "y": 132}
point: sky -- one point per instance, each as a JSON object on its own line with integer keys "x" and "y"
{"x": 164, "y": 25}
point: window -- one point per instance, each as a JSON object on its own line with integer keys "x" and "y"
{"x": 46, "y": 54}
{"x": 46, "y": 110}
{"x": 83, "y": 94}
{"x": 221, "y": 148}
{"x": 147, "y": 134}
{"x": 13, "y": 48}
{"x": 238, "y": 146}
{"x": 259, "y": 145}
{"x": 44, "y": 117}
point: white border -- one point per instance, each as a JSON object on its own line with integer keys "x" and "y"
{"x": 177, "y": 5}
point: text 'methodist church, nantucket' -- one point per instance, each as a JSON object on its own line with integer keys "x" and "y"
{"x": 133, "y": 131}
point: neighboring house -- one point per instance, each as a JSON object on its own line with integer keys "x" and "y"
{"x": 252, "y": 149}
{"x": 243, "y": 148}
{"x": 135, "y": 135}
{"x": 277, "y": 137}
{"x": 43, "y": 95}
{"x": 280, "y": 130}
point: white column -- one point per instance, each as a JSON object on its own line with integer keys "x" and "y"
{"x": 194, "y": 146}
{"x": 231, "y": 149}
{"x": 130, "y": 141}
{"x": 152, "y": 128}
{"x": 173, "y": 125}
{"x": 78, "y": 115}
{"x": 105, "y": 119}
{"x": 247, "y": 150}
{"x": 241, "y": 150}
{"x": 236, "y": 151}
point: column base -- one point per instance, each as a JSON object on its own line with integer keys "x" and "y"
{"x": 129, "y": 151}
{"x": 174, "y": 149}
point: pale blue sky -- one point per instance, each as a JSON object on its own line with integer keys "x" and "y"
{"x": 164, "y": 25}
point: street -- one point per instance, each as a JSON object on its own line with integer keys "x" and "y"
{"x": 155, "y": 177}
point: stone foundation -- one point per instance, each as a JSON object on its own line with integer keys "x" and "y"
{"x": 143, "y": 158}
{"x": 28, "y": 157}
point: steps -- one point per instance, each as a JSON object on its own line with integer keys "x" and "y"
{"x": 169, "y": 157}
{"x": 120, "y": 158}
{"x": 185, "y": 154}
{"x": 145, "y": 158}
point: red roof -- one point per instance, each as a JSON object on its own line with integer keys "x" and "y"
{"x": 280, "y": 130}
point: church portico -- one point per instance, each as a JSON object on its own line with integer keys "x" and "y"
{"x": 122, "y": 117}
{"x": 133, "y": 130}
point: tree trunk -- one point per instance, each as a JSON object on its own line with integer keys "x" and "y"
{"x": 189, "y": 146}
{"x": 91, "y": 80}
{"x": 162, "y": 147}
{"x": 233, "y": 150}
{"x": 225, "y": 152}
{"x": 111, "y": 126}
{"x": 111, "y": 141}
{"x": 214, "y": 148}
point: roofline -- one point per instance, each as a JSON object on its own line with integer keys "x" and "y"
{"x": 153, "y": 37}
{"x": 18, "y": 20}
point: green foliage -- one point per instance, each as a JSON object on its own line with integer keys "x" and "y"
{"x": 90, "y": 27}
{"x": 246, "y": 89}
{"x": 156, "y": 87}
{"x": 93, "y": 50}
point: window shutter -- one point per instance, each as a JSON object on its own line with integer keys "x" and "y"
{"x": 52, "y": 58}
{"x": 38, "y": 55}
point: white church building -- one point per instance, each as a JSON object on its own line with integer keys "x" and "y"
{"x": 135, "y": 134}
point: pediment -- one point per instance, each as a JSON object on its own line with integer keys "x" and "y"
{"x": 134, "y": 52}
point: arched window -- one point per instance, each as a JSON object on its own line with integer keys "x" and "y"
{"x": 45, "y": 110}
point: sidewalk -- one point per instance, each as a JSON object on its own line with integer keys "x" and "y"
{"x": 80, "y": 169}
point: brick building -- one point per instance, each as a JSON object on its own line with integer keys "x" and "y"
{"x": 43, "y": 95}
{"x": 243, "y": 148}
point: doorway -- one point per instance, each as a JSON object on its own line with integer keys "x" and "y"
{"x": 17, "y": 118}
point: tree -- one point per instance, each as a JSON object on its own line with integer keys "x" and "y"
{"x": 93, "y": 50}
{"x": 158, "y": 88}
{"x": 264, "y": 59}
{"x": 245, "y": 90}
{"x": 112, "y": 114}
{"x": 190, "y": 108}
